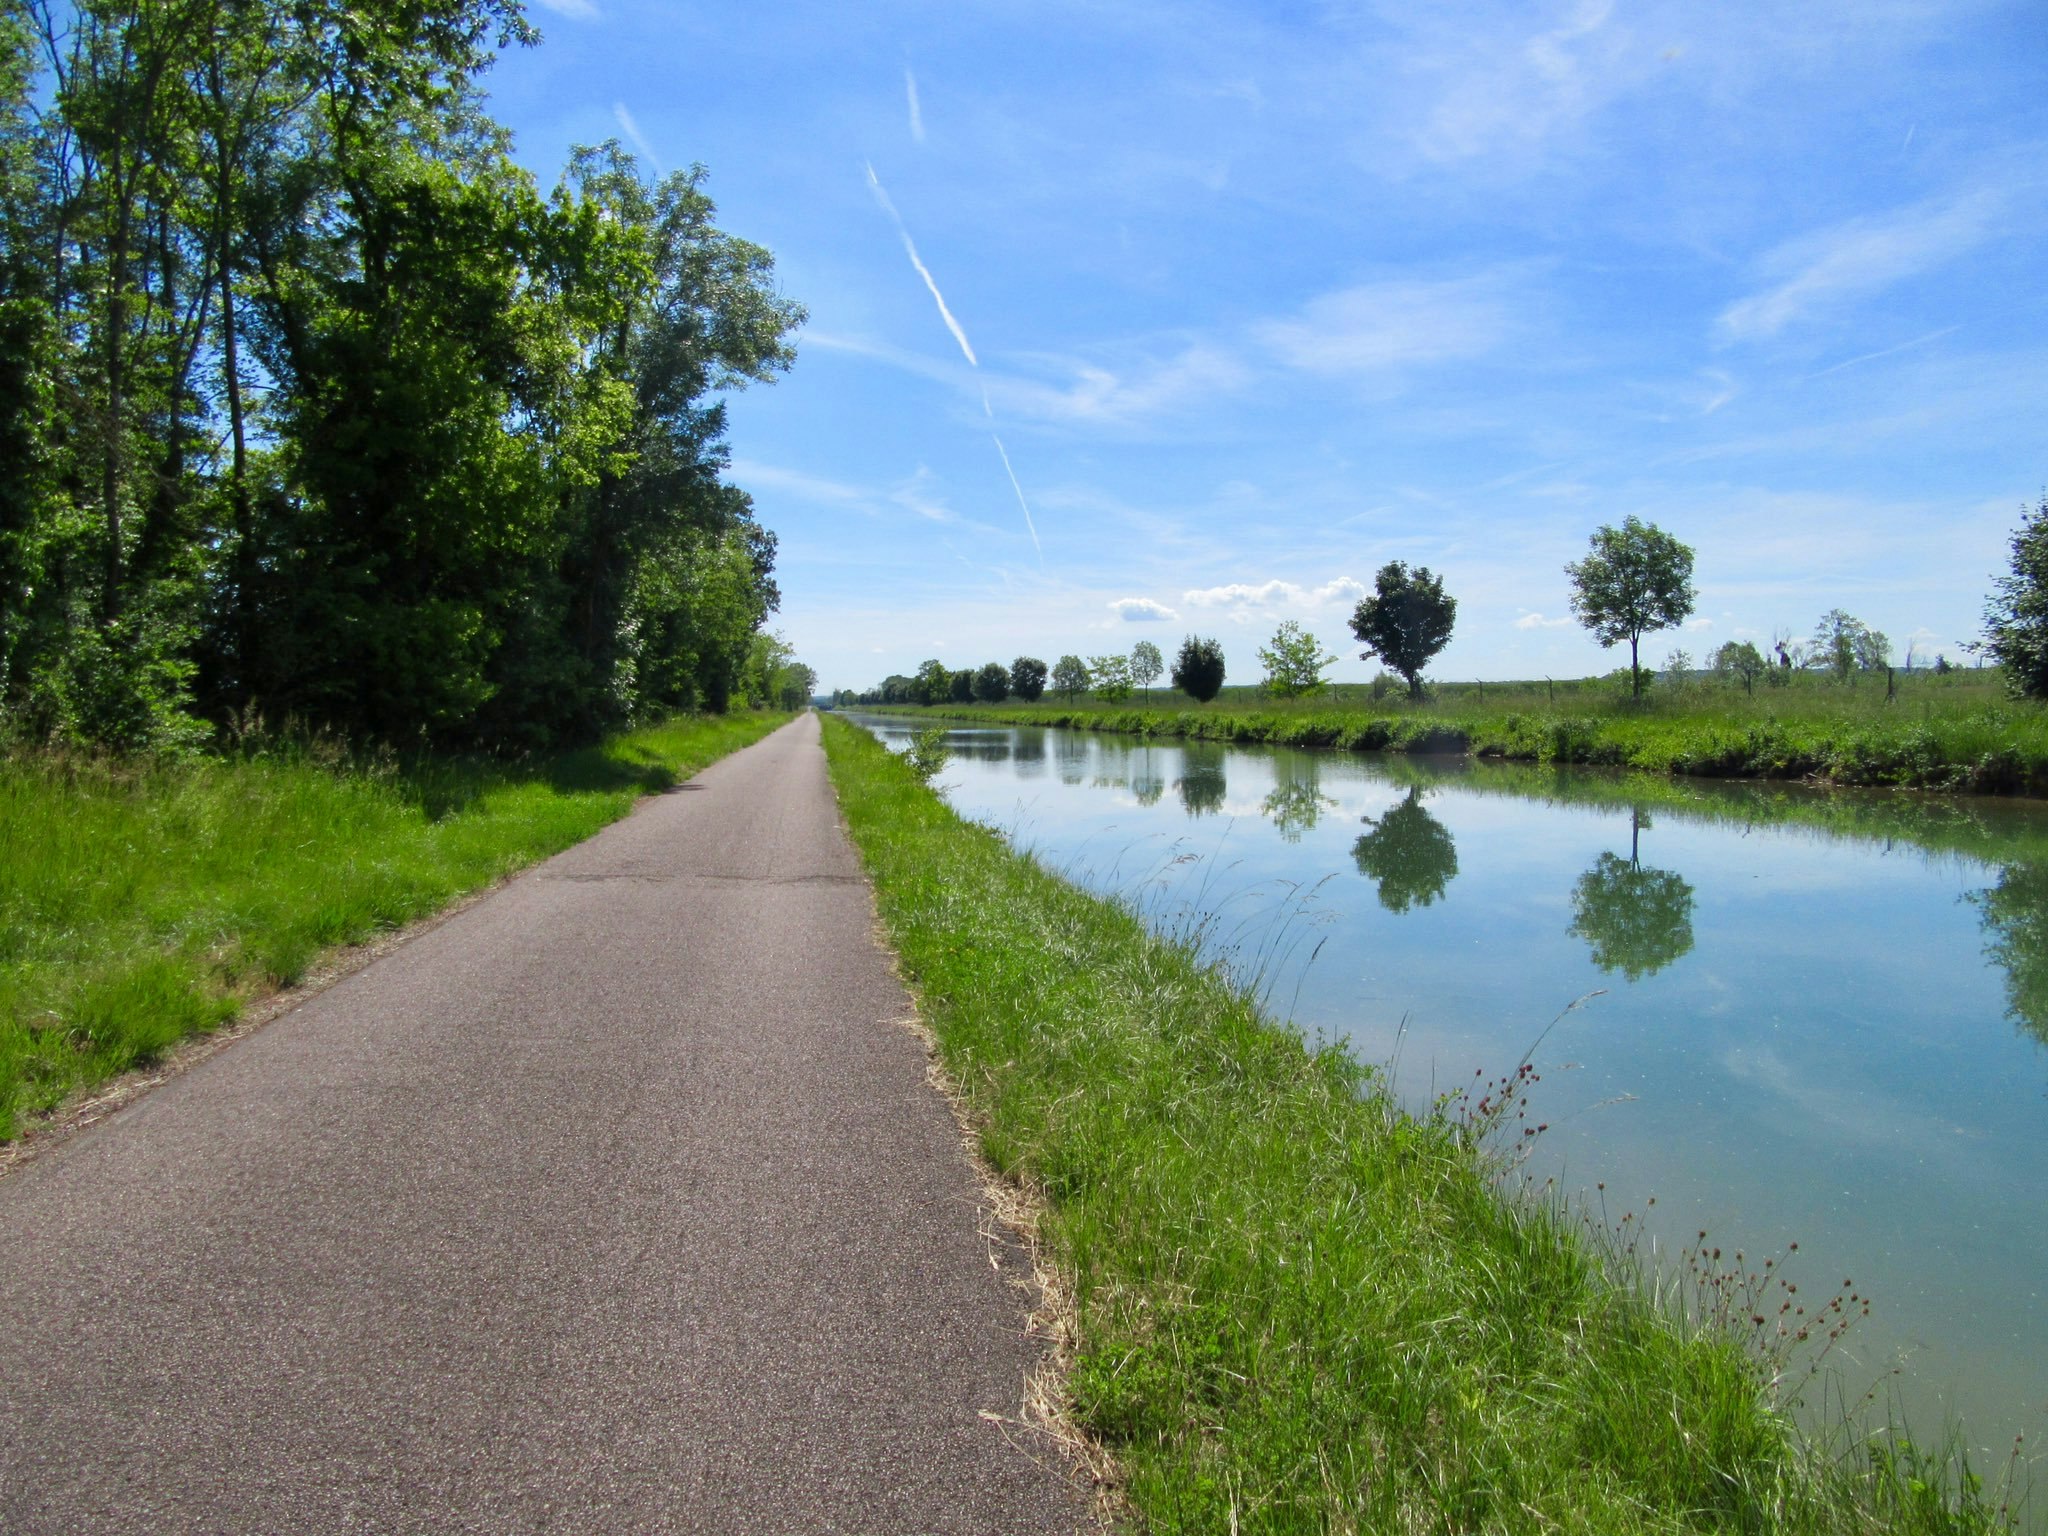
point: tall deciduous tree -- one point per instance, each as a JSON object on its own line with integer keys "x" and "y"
{"x": 1027, "y": 676}
{"x": 1637, "y": 579}
{"x": 1406, "y": 621}
{"x": 992, "y": 683}
{"x": 1146, "y": 665}
{"x": 1070, "y": 676}
{"x": 2016, "y": 614}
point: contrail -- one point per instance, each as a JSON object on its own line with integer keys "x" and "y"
{"x": 1020, "y": 498}
{"x": 987, "y": 410}
{"x": 910, "y": 247}
{"x": 916, "y": 112}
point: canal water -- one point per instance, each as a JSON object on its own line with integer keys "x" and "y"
{"x": 1801, "y": 1016}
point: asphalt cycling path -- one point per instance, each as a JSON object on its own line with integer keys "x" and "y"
{"x": 617, "y": 1203}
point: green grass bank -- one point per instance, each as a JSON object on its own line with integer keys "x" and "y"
{"x": 1952, "y": 732}
{"x": 1302, "y": 1310}
{"x": 142, "y": 901}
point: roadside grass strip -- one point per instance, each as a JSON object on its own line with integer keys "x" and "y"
{"x": 142, "y": 901}
{"x": 1300, "y": 1309}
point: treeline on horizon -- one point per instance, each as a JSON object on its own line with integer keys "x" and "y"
{"x": 315, "y": 407}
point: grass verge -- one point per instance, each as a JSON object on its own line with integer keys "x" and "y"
{"x": 143, "y": 901}
{"x": 1953, "y": 733}
{"x": 1299, "y": 1309}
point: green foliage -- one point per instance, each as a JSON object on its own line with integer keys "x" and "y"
{"x": 327, "y": 412}
{"x": 1027, "y": 676}
{"x": 2016, "y": 614}
{"x": 1739, "y": 661}
{"x": 992, "y": 683}
{"x": 146, "y": 899}
{"x": 1844, "y": 645}
{"x": 1406, "y": 621}
{"x": 1294, "y": 663}
{"x": 1070, "y": 677}
{"x": 960, "y": 686}
{"x": 934, "y": 682}
{"x": 927, "y": 752}
{"x": 1146, "y": 665}
{"x": 1198, "y": 669}
{"x": 1636, "y": 579}
{"x": 1109, "y": 677}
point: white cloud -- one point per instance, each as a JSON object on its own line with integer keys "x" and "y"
{"x": 910, "y": 249}
{"x": 1099, "y": 395}
{"x": 1378, "y": 327}
{"x": 1858, "y": 259}
{"x": 1504, "y": 90}
{"x": 1275, "y": 595}
{"x": 753, "y": 475}
{"x": 1537, "y": 621}
{"x": 1142, "y": 610}
{"x": 1699, "y": 626}
{"x": 576, "y": 10}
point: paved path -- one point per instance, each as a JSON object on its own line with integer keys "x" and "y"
{"x": 617, "y": 1203}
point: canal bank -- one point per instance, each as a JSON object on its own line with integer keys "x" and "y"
{"x": 1451, "y": 887}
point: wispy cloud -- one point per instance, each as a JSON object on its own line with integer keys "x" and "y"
{"x": 916, "y": 111}
{"x": 1506, "y": 90}
{"x": 1142, "y": 610}
{"x": 1384, "y": 326}
{"x": 1855, "y": 260}
{"x": 1138, "y": 391}
{"x": 1538, "y": 621}
{"x": 575, "y": 10}
{"x": 631, "y": 128}
{"x": 1019, "y": 489}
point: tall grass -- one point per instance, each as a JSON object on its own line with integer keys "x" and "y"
{"x": 1957, "y": 731}
{"x": 143, "y": 900}
{"x": 1299, "y": 1309}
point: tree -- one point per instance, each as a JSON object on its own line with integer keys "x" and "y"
{"x": 1146, "y": 665}
{"x": 1844, "y": 645}
{"x": 1636, "y": 579}
{"x": 960, "y": 686}
{"x": 1294, "y": 663}
{"x": 1070, "y": 676}
{"x": 992, "y": 683}
{"x": 1739, "y": 661}
{"x": 1201, "y": 784}
{"x": 1408, "y": 854}
{"x": 1110, "y": 677}
{"x": 1406, "y": 621}
{"x": 934, "y": 682}
{"x": 2016, "y": 613}
{"x": 1198, "y": 669}
{"x": 1027, "y": 676}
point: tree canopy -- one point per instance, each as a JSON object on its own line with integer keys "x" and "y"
{"x": 1406, "y": 621}
{"x": 2016, "y": 614}
{"x": 315, "y": 405}
{"x": 1295, "y": 662}
{"x": 1637, "y": 579}
{"x": 1198, "y": 669}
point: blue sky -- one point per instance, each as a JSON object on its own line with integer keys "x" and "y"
{"x": 1129, "y": 320}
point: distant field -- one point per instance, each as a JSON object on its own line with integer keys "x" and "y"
{"x": 144, "y": 901}
{"x": 1957, "y": 731}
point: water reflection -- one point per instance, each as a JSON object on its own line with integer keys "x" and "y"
{"x": 1148, "y": 774}
{"x": 1409, "y": 853}
{"x": 1028, "y": 753}
{"x": 1635, "y": 920}
{"x": 1297, "y": 801}
{"x": 1070, "y": 756}
{"x": 1201, "y": 784}
{"x": 2015, "y": 917}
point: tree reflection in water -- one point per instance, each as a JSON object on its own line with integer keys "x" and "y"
{"x": 1297, "y": 802}
{"x": 1409, "y": 853}
{"x": 1635, "y": 920}
{"x": 1201, "y": 784}
{"x": 1146, "y": 784}
{"x": 2015, "y": 917}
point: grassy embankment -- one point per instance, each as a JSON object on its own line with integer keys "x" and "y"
{"x": 1956, "y": 732}
{"x": 143, "y": 901}
{"x": 1300, "y": 1309}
